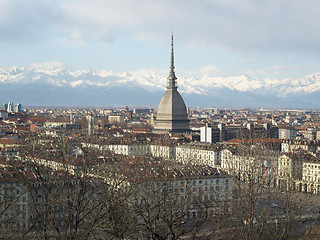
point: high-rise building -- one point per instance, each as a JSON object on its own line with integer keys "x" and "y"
{"x": 213, "y": 134}
{"x": 90, "y": 119}
{"x": 10, "y": 107}
{"x": 172, "y": 114}
{"x": 5, "y": 107}
{"x": 17, "y": 107}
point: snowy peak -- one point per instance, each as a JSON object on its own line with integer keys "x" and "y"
{"x": 56, "y": 76}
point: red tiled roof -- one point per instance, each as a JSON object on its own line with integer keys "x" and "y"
{"x": 8, "y": 141}
{"x": 37, "y": 119}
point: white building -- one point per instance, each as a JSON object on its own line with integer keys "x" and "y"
{"x": 259, "y": 166}
{"x": 289, "y": 170}
{"x": 310, "y": 176}
{"x": 4, "y": 115}
{"x": 212, "y": 134}
{"x": 289, "y": 133}
{"x": 190, "y": 189}
{"x": 289, "y": 146}
{"x": 10, "y": 107}
{"x": 115, "y": 119}
{"x": 198, "y": 155}
{"x": 90, "y": 120}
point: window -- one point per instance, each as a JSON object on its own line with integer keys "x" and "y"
{"x": 217, "y": 181}
{"x": 217, "y": 188}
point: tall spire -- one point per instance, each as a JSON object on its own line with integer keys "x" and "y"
{"x": 172, "y": 77}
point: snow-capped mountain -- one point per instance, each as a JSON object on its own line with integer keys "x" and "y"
{"x": 53, "y": 84}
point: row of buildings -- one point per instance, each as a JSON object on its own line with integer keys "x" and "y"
{"x": 247, "y": 160}
{"x": 38, "y": 186}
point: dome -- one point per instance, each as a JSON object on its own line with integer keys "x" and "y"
{"x": 172, "y": 104}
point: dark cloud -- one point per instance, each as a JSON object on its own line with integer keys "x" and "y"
{"x": 242, "y": 25}
{"x": 27, "y": 20}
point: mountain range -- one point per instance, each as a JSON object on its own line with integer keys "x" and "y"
{"x": 59, "y": 86}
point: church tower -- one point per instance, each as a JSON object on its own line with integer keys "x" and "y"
{"x": 172, "y": 114}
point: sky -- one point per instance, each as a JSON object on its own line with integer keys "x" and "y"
{"x": 274, "y": 38}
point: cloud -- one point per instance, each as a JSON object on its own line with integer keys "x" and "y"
{"x": 259, "y": 72}
{"x": 47, "y": 65}
{"x": 288, "y": 67}
{"x": 242, "y": 25}
{"x": 31, "y": 20}
{"x": 278, "y": 69}
{"x": 209, "y": 70}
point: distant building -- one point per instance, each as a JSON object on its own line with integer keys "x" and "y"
{"x": 318, "y": 135}
{"x": 17, "y": 108}
{"x": 259, "y": 166}
{"x": 198, "y": 154}
{"x": 310, "y": 134}
{"x": 290, "y": 146}
{"x": 141, "y": 111}
{"x": 115, "y": 119}
{"x": 5, "y": 107}
{"x": 172, "y": 112}
{"x": 10, "y": 107}
{"x": 310, "y": 176}
{"x": 213, "y": 134}
{"x": 3, "y": 115}
{"x": 221, "y": 132}
{"x": 289, "y": 133}
{"x": 290, "y": 168}
{"x": 90, "y": 119}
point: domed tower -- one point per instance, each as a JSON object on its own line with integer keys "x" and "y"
{"x": 172, "y": 114}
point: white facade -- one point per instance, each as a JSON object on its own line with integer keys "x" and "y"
{"x": 310, "y": 177}
{"x": 3, "y": 115}
{"x": 10, "y": 107}
{"x": 293, "y": 146}
{"x": 287, "y": 133}
{"x": 168, "y": 152}
{"x": 198, "y": 156}
{"x": 289, "y": 171}
{"x": 260, "y": 167}
{"x": 115, "y": 119}
{"x": 311, "y": 172}
{"x": 206, "y": 134}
